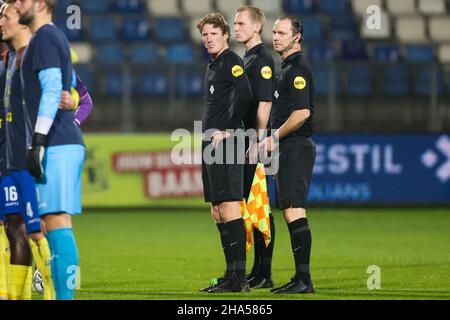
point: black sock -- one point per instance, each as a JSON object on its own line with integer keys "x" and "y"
{"x": 265, "y": 269}
{"x": 225, "y": 239}
{"x": 257, "y": 238}
{"x": 238, "y": 238}
{"x": 301, "y": 248}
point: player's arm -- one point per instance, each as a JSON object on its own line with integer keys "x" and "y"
{"x": 50, "y": 80}
{"x": 86, "y": 104}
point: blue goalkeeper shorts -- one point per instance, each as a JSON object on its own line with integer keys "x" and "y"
{"x": 61, "y": 190}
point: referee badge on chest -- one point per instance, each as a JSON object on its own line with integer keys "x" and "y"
{"x": 300, "y": 83}
{"x": 211, "y": 89}
{"x": 237, "y": 71}
{"x": 276, "y": 94}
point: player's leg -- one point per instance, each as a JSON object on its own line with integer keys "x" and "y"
{"x": 38, "y": 244}
{"x": 3, "y": 265}
{"x": 294, "y": 177}
{"x": 60, "y": 198}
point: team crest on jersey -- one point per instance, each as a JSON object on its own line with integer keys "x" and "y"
{"x": 237, "y": 71}
{"x": 300, "y": 83}
{"x": 266, "y": 72}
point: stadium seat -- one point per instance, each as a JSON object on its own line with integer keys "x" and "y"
{"x": 153, "y": 84}
{"x": 354, "y": 50}
{"x": 430, "y": 7}
{"x": 343, "y": 27}
{"x": 189, "y": 83}
{"x": 102, "y": 29}
{"x": 84, "y": 52}
{"x": 402, "y": 7}
{"x": 134, "y": 29}
{"x": 359, "y": 81}
{"x": 127, "y": 6}
{"x": 395, "y": 80}
{"x": 423, "y": 80}
{"x": 360, "y": 6}
{"x": 298, "y": 6}
{"x": 386, "y": 53}
{"x": 180, "y": 54}
{"x": 145, "y": 54}
{"x": 419, "y": 53}
{"x": 170, "y": 30}
{"x": 333, "y": 7}
{"x": 444, "y": 54}
{"x": 269, "y": 7}
{"x": 114, "y": 83}
{"x": 373, "y": 33}
{"x": 411, "y": 29}
{"x": 109, "y": 54}
{"x": 73, "y": 35}
{"x": 97, "y": 6}
{"x": 87, "y": 75}
{"x": 322, "y": 80}
{"x": 62, "y": 5}
{"x": 163, "y": 7}
{"x": 228, "y": 8}
{"x": 323, "y": 53}
{"x": 197, "y": 7}
{"x": 439, "y": 28}
{"x": 312, "y": 29}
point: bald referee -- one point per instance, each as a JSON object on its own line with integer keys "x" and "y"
{"x": 292, "y": 125}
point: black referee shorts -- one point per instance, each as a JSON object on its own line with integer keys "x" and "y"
{"x": 249, "y": 174}
{"x": 222, "y": 182}
{"x": 295, "y": 171}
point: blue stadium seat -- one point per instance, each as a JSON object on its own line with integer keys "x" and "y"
{"x": 102, "y": 29}
{"x": 312, "y": 29}
{"x": 145, "y": 54}
{"x": 97, "y": 6}
{"x": 423, "y": 80}
{"x": 170, "y": 30}
{"x": 109, "y": 54}
{"x": 419, "y": 53}
{"x": 322, "y": 81}
{"x": 359, "y": 81}
{"x": 386, "y": 53}
{"x": 343, "y": 27}
{"x": 73, "y": 35}
{"x": 354, "y": 50}
{"x": 298, "y": 6}
{"x": 61, "y": 6}
{"x": 333, "y": 7}
{"x": 127, "y": 6}
{"x": 87, "y": 75}
{"x": 395, "y": 80}
{"x": 114, "y": 83}
{"x": 153, "y": 84}
{"x": 322, "y": 53}
{"x": 189, "y": 83}
{"x": 135, "y": 29}
{"x": 180, "y": 54}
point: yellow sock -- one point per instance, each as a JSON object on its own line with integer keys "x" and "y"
{"x": 18, "y": 275}
{"x": 42, "y": 256}
{"x": 3, "y": 264}
{"x": 26, "y": 295}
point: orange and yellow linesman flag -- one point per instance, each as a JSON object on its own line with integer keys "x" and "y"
{"x": 256, "y": 211}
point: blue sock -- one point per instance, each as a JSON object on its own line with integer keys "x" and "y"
{"x": 64, "y": 262}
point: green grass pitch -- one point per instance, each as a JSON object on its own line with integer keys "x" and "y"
{"x": 170, "y": 255}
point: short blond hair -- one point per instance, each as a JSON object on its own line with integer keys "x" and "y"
{"x": 256, "y": 14}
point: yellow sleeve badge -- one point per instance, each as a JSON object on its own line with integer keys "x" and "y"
{"x": 266, "y": 72}
{"x": 299, "y": 83}
{"x": 237, "y": 71}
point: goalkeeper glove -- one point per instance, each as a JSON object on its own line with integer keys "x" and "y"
{"x": 35, "y": 155}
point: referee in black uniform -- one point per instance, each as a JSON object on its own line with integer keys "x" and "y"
{"x": 292, "y": 125}
{"x": 227, "y": 91}
{"x": 259, "y": 67}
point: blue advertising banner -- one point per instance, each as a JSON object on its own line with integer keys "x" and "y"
{"x": 381, "y": 169}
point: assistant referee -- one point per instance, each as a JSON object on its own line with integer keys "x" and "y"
{"x": 292, "y": 125}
